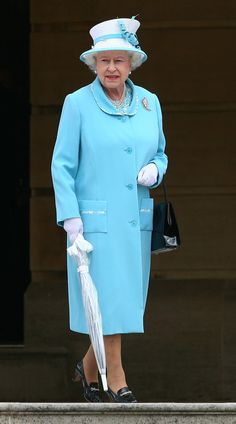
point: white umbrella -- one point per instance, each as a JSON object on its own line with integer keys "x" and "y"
{"x": 80, "y": 249}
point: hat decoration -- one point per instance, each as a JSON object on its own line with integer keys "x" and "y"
{"x": 129, "y": 36}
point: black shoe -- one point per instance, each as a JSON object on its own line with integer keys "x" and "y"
{"x": 123, "y": 395}
{"x": 91, "y": 391}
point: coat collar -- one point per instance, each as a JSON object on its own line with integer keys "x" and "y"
{"x": 104, "y": 103}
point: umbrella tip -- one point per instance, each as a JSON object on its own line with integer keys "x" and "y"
{"x": 104, "y": 382}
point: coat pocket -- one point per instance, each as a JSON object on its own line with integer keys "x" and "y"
{"x": 146, "y": 214}
{"x": 94, "y": 215}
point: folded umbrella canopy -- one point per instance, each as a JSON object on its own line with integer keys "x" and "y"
{"x": 80, "y": 249}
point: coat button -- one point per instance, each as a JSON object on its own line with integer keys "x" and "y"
{"x": 133, "y": 223}
{"x": 130, "y": 186}
{"x": 128, "y": 150}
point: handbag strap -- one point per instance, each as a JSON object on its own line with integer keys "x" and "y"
{"x": 164, "y": 190}
{"x": 168, "y": 216}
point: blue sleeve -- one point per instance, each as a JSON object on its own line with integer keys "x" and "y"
{"x": 65, "y": 160}
{"x": 160, "y": 159}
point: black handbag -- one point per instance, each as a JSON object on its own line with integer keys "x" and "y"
{"x": 165, "y": 233}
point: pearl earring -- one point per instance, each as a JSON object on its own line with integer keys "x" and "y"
{"x": 129, "y": 72}
{"x": 95, "y": 72}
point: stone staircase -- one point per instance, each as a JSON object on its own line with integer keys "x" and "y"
{"x": 106, "y": 413}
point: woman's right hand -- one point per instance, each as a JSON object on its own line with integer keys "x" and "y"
{"x": 73, "y": 227}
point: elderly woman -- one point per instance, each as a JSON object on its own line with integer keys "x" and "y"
{"x": 108, "y": 153}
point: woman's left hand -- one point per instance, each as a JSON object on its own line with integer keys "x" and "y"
{"x": 147, "y": 176}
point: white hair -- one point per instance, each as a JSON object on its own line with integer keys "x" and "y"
{"x": 135, "y": 60}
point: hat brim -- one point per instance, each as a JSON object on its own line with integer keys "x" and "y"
{"x": 95, "y": 50}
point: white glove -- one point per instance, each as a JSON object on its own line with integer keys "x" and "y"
{"x": 73, "y": 227}
{"x": 147, "y": 176}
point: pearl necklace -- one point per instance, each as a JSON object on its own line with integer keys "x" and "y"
{"x": 122, "y": 104}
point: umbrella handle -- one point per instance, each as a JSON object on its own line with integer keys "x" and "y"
{"x": 80, "y": 255}
{"x": 82, "y": 244}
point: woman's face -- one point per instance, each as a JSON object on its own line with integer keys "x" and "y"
{"x": 113, "y": 68}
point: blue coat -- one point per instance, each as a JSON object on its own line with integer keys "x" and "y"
{"x": 96, "y": 160}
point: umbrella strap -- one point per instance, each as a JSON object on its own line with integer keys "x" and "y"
{"x": 83, "y": 269}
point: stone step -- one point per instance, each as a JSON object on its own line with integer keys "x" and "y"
{"x": 106, "y": 413}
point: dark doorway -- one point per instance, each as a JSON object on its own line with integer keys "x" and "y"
{"x": 14, "y": 108}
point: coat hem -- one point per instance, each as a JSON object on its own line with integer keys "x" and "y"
{"x": 110, "y": 333}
